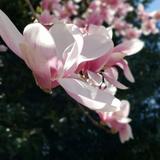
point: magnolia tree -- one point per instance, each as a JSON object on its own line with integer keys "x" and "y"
{"x": 70, "y": 44}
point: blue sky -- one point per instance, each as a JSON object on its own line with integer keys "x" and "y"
{"x": 155, "y": 5}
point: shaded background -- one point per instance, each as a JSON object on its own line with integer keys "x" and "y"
{"x": 38, "y": 126}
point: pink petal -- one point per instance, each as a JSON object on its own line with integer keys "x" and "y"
{"x": 129, "y": 47}
{"x": 115, "y": 83}
{"x": 123, "y": 64}
{"x": 95, "y": 46}
{"x": 10, "y": 34}
{"x": 125, "y": 108}
{"x": 39, "y": 66}
{"x": 125, "y": 133}
{"x": 111, "y": 76}
{"x": 72, "y": 57}
{"x": 124, "y": 120}
{"x": 39, "y": 54}
{"x": 100, "y": 30}
{"x": 89, "y": 96}
{"x": 38, "y": 37}
{"x": 96, "y": 78}
{"x": 62, "y": 37}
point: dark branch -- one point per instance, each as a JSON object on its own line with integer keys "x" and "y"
{"x": 94, "y": 122}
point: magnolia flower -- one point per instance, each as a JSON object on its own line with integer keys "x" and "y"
{"x": 53, "y": 56}
{"x": 105, "y": 65}
{"x": 149, "y": 26}
{"x": 118, "y": 121}
{"x": 48, "y": 4}
{"x": 46, "y": 18}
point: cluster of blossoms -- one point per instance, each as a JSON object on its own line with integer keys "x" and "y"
{"x": 148, "y": 20}
{"x": 99, "y": 12}
{"x": 84, "y": 61}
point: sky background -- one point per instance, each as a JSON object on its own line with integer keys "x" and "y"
{"x": 155, "y": 5}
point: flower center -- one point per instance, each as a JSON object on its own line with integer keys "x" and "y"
{"x": 94, "y": 79}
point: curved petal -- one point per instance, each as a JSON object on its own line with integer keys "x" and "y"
{"x": 62, "y": 37}
{"x": 124, "y": 120}
{"x": 115, "y": 82}
{"x": 69, "y": 44}
{"x": 122, "y": 114}
{"x": 89, "y": 96}
{"x": 125, "y": 108}
{"x": 39, "y": 66}
{"x": 100, "y": 30}
{"x": 129, "y": 47}
{"x": 95, "y": 78}
{"x": 123, "y": 64}
{"x": 10, "y": 34}
{"x": 95, "y": 46}
{"x": 40, "y": 54}
{"x": 125, "y": 133}
{"x": 72, "y": 57}
{"x": 38, "y": 37}
{"x": 111, "y": 76}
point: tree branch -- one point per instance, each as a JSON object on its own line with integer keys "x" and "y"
{"x": 31, "y": 8}
{"x": 94, "y": 122}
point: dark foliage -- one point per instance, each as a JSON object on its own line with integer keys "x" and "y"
{"x": 38, "y": 126}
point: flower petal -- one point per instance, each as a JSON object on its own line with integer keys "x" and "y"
{"x": 123, "y": 64}
{"x": 10, "y": 34}
{"x": 122, "y": 114}
{"x": 126, "y": 133}
{"x": 62, "y": 37}
{"x": 95, "y": 46}
{"x": 72, "y": 56}
{"x": 40, "y": 54}
{"x": 89, "y": 96}
{"x": 129, "y": 47}
{"x": 111, "y": 76}
{"x": 38, "y": 37}
{"x": 100, "y": 30}
{"x": 39, "y": 66}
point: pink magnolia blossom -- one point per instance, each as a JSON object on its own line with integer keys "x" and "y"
{"x": 148, "y": 20}
{"x": 132, "y": 33}
{"x": 149, "y": 26}
{"x": 48, "y": 4}
{"x": 118, "y": 121}
{"x": 53, "y": 56}
{"x": 142, "y": 13}
{"x": 106, "y": 64}
{"x": 98, "y": 12}
{"x": 46, "y": 18}
{"x": 114, "y": 3}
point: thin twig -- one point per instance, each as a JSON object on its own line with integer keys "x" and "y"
{"x": 31, "y": 8}
{"x": 94, "y": 122}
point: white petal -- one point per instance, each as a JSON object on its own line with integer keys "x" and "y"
{"x": 95, "y": 78}
{"x": 122, "y": 114}
{"x": 10, "y": 34}
{"x": 72, "y": 56}
{"x": 38, "y": 37}
{"x": 89, "y": 96}
{"x": 101, "y": 30}
{"x": 129, "y": 47}
{"x": 62, "y": 37}
{"x": 95, "y": 46}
